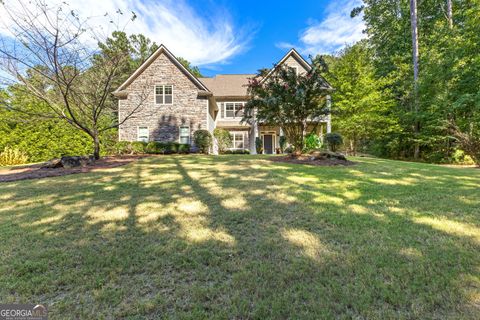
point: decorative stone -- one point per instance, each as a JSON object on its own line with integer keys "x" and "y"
{"x": 325, "y": 154}
{"x": 52, "y": 164}
{"x": 163, "y": 120}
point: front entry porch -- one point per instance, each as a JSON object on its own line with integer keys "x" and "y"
{"x": 270, "y": 136}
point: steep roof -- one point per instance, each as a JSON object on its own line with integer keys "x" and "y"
{"x": 228, "y": 84}
{"x": 298, "y": 57}
{"x": 153, "y": 56}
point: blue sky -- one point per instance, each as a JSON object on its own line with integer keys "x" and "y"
{"x": 229, "y": 36}
{"x": 274, "y": 27}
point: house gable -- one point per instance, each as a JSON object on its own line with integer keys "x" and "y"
{"x": 295, "y": 60}
{"x": 161, "y": 51}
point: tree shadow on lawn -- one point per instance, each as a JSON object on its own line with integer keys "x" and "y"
{"x": 241, "y": 237}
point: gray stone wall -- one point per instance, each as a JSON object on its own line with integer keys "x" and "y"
{"x": 164, "y": 120}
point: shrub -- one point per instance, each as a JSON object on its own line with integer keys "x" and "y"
{"x": 151, "y": 147}
{"x": 122, "y": 147}
{"x": 283, "y": 143}
{"x": 138, "y": 147}
{"x": 10, "y": 156}
{"x": 334, "y": 140}
{"x": 184, "y": 148}
{"x": 312, "y": 141}
{"x": 459, "y": 157}
{"x": 237, "y": 151}
{"x": 258, "y": 145}
{"x": 203, "y": 140}
{"x": 224, "y": 139}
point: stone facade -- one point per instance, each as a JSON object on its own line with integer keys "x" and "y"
{"x": 196, "y": 102}
{"x": 163, "y": 120}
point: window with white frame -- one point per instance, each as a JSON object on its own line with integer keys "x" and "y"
{"x": 233, "y": 110}
{"x": 238, "y": 140}
{"x": 184, "y": 134}
{"x": 163, "y": 94}
{"x": 295, "y": 69}
{"x": 142, "y": 134}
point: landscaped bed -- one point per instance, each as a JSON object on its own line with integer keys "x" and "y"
{"x": 36, "y": 171}
{"x": 311, "y": 160}
{"x": 242, "y": 237}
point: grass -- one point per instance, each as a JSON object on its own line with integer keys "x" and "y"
{"x": 240, "y": 237}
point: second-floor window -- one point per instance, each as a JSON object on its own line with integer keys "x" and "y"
{"x": 163, "y": 94}
{"x": 233, "y": 110}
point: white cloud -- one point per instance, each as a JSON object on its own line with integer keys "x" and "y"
{"x": 335, "y": 31}
{"x": 202, "y": 38}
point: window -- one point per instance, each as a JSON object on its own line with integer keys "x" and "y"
{"x": 163, "y": 94}
{"x": 184, "y": 134}
{"x": 295, "y": 69}
{"x": 142, "y": 134}
{"x": 234, "y": 110}
{"x": 237, "y": 140}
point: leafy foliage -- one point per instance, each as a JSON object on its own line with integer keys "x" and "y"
{"x": 258, "y": 145}
{"x": 312, "y": 141}
{"x": 203, "y": 140}
{"x": 224, "y": 139}
{"x": 363, "y": 103}
{"x": 193, "y": 69}
{"x": 334, "y": 141}
{"x": 289, "y": 100}
{"x": 283, "y": 143}
{"x": 10, "y": 157}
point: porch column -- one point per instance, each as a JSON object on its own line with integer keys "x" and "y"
{"x": 253, "y": 148}
{"x": 329, "y": 117}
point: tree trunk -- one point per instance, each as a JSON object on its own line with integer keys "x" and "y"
{"x": 449, "y": 14}
{"x": 96, "y": 147}
{"x": 413, "y": 20}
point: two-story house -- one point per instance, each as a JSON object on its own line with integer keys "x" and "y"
{"x": 163, "y": 101}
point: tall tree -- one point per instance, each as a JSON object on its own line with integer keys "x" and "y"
{"x": 363, "y": 106}
{"x": 413, "y": 20}
{"x": 450, "y": 13}
{"x": 193, "y": 69}
{"x": 289, "y": 100}
{"x": 48, "y": 56}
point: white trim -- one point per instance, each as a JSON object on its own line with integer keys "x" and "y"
{"x": 294, "y": 52}
{"x": 180, "y": 134}
{"x": 163, "y": 94}
{"x": 234, "y": 110}
{"x": 233, "y": 132}
{"x": 152, "y": 58}
{"x": 274, "y": 140}
{"x": 138, "y": 133}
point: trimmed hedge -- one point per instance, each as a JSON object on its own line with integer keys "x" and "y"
{"x": 236, "y": 152}
{"x": 152, "y": 147}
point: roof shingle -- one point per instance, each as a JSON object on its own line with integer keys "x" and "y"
{"x": 228, "y": 84}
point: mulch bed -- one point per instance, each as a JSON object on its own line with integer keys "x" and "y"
{"x": 36, "y": 171}
{"x": 308, "y": 160}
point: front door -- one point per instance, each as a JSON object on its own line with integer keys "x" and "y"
{"x": 268, "y": 143}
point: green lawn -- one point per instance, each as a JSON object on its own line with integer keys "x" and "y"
{"x": 242, "y": 237}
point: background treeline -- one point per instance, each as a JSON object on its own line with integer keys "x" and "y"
{"x": 378, "y": 107}
{"x": 43, "y": 138}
